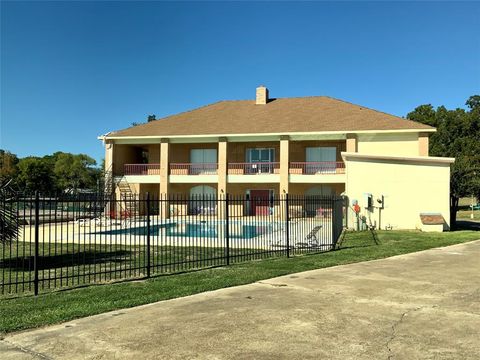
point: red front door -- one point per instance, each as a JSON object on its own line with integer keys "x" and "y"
{"x": 259, "y": 202}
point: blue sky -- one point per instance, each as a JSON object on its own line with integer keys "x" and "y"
{"x": 71, "y": 71}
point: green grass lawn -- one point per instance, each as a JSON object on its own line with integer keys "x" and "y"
{"x": 465, "y": 214}
{"x": 54, "y": 307}
{"x": 64, "y": 265}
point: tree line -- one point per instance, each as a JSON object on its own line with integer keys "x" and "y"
{"x": 51, "y": 173}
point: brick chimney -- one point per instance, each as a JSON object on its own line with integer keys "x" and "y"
{"x": 262, "y": 95}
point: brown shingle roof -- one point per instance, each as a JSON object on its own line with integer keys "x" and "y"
{"x": 288, "y": 115}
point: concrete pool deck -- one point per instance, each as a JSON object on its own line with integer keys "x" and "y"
{"x": 424, "y": 305}
{"x": 117, "y": 232}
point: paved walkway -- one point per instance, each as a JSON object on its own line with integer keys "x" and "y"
{"x": 419, "y": 306}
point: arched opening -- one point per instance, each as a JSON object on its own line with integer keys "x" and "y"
{"x": 203, "y": 200}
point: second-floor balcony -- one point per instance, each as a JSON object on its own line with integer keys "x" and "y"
{"x": 317, "y": 168}
{"x": 193, "y": 168}
{"x": 142, "y": 169}
{"x": 254, "y": 168}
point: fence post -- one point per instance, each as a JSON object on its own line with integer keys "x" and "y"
{"x": 35, "y": 257}
{"x": 287, "y": 225}
{"x": 148, "y": 234}
{"x": 227, "y": 230}
{"x": 334, "y": 221}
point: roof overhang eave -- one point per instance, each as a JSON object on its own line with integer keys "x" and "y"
{"x": 351, "y": 156}
{"x": 343, "y": 132}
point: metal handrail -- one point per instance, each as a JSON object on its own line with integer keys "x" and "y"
{"x": 317, "y": 167}
{"x": 253, "y": 168}
{"x": 193, "y": 168}
{"x": 141, "y": 169}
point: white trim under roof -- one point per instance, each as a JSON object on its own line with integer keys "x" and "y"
{"x": 327, "y": 135}
{"x": 387, "y": 158}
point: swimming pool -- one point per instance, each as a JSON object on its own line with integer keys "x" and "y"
{"x": 205, "y": 230}
{"x": 201, "y": 229}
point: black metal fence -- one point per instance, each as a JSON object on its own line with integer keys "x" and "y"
{"x": 67, "y": 241}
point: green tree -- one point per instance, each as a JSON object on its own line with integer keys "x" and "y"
{"x": 474, "y": 102}
{"x": 8, "y": 166}
{"x": 59, "y": 171}
{"x": 425, "y": 114}
{"x": 458, "y": 136}
{"x": 35, "y": 173}
{"x": 74, "y": 171}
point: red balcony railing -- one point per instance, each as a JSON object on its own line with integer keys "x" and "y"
{"x": 309, "y": 168}
{"x": 194, "y": 169}
{"x": 322, "y": 167}
{"x": 142, "y": 169}
{"x": 254, "y": 168}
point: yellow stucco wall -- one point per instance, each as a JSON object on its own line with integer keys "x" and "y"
{"x": 405, "y": 144}
{"x": 109, "y": 151}
{"x": 409, "y": 188}
{"x": 222, "y": 166}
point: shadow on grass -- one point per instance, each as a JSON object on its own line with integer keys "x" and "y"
{"x": 467, "y": 225}
{"x": 356, "y": 240}
{"x": 353, "y": 246}
{"x": 58, "y": 261}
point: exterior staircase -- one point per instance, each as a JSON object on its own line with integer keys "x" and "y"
{"x": 108, "y": 192}
{"x": 129, "y": 203}
{"x": 108, "y": 182}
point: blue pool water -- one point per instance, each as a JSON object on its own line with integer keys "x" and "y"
{"x": 202, "y": 230}
{"x": 142, "y": 230}
{"x": 211, "y": 231}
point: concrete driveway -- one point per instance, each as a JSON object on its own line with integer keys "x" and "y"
{"x": 424, "y": 305}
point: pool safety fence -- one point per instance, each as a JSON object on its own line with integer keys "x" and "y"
{"x": 51, "y": 242}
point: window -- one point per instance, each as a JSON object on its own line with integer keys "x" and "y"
{"x": 322, "y": 160}
{"x": 204, "y": 161}
{"x": 260, "y": 155}
{"x": 260, "y": 160}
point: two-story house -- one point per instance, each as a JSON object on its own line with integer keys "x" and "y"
{"x": 303, "y": 146}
